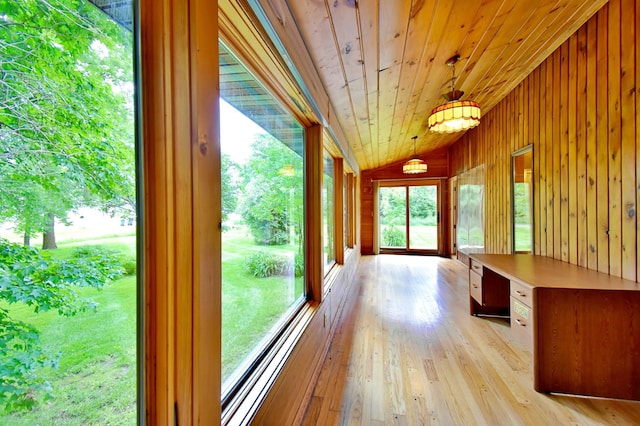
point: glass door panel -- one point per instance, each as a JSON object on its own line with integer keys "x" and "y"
{"x": 393, "y": 223}
{"x": 423, "y": 217}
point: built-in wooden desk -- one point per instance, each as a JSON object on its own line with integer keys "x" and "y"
{"x": 583, "y": 326}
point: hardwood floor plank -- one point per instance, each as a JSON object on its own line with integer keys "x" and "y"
{"x": 406, "y": 351}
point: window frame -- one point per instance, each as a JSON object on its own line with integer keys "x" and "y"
{"x": 257, "y": 362}
{"x": 407, "y": 183}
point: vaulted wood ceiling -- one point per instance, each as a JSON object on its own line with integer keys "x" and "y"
{"x": 382, "y": 62}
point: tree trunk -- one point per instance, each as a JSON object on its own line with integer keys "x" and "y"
{"x": 26, "y": 240}
{"x": 49, "y": 236}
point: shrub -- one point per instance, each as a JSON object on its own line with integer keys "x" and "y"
{"x": 108, "y": 261}
{"x": 299, "y": 266}
{"x": 261, "y": 264}
{"x": 393, "y": 237}
{"x": 129, "y": 264}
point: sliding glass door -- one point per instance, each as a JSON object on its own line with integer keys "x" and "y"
{"x": 408, "y": 219}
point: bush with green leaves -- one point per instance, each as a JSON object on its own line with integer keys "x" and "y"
{"x": 393, "y": 237}
{"x": 42, "y": 282}
{"x": 298, "y": 265}
{"x": 262, "y": 264}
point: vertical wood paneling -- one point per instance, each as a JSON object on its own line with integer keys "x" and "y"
{"x": 535, "y": 138}
{"x": 564, "y": 151}
{"x": 556, "y": 145}
{"x": 628, "y": 132}
{"x": 548, "y": 128}
{"x": 572, "y": 190}
{"x": 579, "y": 108}
{"x": 590, "y": 99}
{"x": 637, "y": 165}
{"x": 540, "y": 146}
{"x": 581, "y": 147}
{"x": 615, "y": 121}
{"x": 602, "y": 126}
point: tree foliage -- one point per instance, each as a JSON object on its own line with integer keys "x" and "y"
{"x": 273, "y": 188}
{"x": 44, "y": 283}
{"x": 66, "y": 141}
{"x": 229, "y": 178}
{"x": 66, "y": 129}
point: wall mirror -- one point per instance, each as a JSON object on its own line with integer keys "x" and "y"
{"x": 522, "y": 196}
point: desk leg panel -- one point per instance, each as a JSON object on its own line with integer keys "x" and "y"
{"x": 587, "y": 342}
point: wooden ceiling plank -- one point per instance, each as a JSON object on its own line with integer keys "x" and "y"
{"x": 498, "y": 39}
{"x": 433, "y": 72}
{"x": 425, "y": 24}
{"x": 523, "y": 40}
{"x": 348, "y": 40}
{"x": 394, "y": 18}
{"x": 544, "y": 44}
{"x": 388, "y": 96}
{"x": 481, "y": 32}
{"x": 369, "y": 32}
{"x": 316, "y": 26}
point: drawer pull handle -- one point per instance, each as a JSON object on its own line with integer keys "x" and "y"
{"x": 475, "y": 285}
{"x": 476, "y": 267}
{"x": 520, "y": 322}
{"x": 521, "y": 294}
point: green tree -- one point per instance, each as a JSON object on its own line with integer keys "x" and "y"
{"x": 422, "y": 201}
{"x": 66, "y": 129}
{"x": 272, "y": 196}
{"x": 392, "y": 205}
{"x": 229, "y": 178}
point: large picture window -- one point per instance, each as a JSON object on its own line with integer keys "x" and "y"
{"x": 68, "y": 221}
{"x": 263, "y": 219}
{"x": 328, "y": 211}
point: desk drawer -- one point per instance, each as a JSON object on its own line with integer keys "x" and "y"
{"x": 475, "y": 286}
{"x": 522, "y": 292}
{"x": 522, "y": 322}
{"x": 476, "y": 267}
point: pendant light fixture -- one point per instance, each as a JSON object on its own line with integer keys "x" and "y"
{"x": 415, "y": 165}
{"x": 455, "y": 115}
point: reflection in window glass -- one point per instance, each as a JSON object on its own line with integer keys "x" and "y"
{"x": 328, "y": 209}
{"x": 470, "y": 224}
{"x": 68, "y": 248}
{"x": 263, "y": 221}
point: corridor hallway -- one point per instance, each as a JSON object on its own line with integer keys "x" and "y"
{"x": 407, "y": 352}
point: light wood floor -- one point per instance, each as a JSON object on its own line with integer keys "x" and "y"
{"x": 407, "y": 352}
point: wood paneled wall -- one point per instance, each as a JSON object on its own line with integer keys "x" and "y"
{"x": 437, "y": 167}
{"x": 581, "y": 111}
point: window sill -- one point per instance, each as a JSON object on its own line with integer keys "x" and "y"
{"x": 243, "y": 407}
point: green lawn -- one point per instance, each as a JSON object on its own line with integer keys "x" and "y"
{"x": 251, "y": 306}
{"x": 422, "y": 236}
{"x": 523, "y": 237}
{"x": 96, "y": 379}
